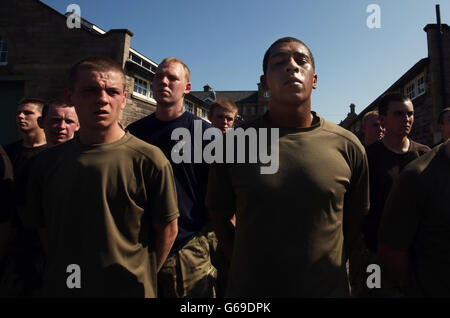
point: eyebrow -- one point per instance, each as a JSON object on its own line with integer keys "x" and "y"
{"x": 279, "y": 53}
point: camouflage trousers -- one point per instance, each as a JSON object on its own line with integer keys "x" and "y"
{"x": 188, "y": 272}
{"x": 221, "y": 263}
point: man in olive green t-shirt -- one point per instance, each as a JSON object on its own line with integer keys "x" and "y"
{"x": 292, "y": 226}
{"x": 414, "y": 240}
{"x": 105, "y": 201}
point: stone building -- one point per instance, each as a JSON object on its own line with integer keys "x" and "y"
{"x": 250, "y": 103}
{"x": 37, "y": 49}
{"x": 427, "y": 83}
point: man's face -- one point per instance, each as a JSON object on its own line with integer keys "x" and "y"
{"x": 222, "y": 119}
{"x": 290, "y": 76}
{"x": 373, "y": 130}
{"x": 27, "y": 116}
{"x": 98, "y": 98}
{"x": 399, "y": 118}
{"x": 169, "y": 84}
{"x": 445, "y": 126}
{"x": 60, "y": 124}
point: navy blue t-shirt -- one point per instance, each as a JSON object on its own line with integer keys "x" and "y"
{"x": 190, "y": 178}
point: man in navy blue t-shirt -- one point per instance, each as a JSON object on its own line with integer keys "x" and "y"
{"x": 187, "y": 271}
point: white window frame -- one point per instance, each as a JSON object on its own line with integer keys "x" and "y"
{"x": 2, "y": 46}
{"x": 189, "y": 106}
{"x": 149, "y": 93}
{"x": 418, "y": 88}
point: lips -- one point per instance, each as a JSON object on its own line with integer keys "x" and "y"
{"x": 101, "y": 112}
{"x": 293, "y": 81}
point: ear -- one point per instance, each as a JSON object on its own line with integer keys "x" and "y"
{"x": 262, "y": 81}
{"x": 314, "y": 84}
{"x": 188, "y": 88}
{"x": 40, "y": 122}
{"x": 124, "y": 100}
{"x": 77, "y": 127}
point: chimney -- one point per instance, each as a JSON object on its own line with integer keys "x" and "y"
{"x": 206, "y": 88}
{"x": 352, "y": 109}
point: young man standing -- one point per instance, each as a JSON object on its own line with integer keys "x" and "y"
{"x": 105, "y": 201}
{"x": 59, "y": 121}
{"x": 222, "y": 114}
{"x": 414, "y": 232}
{"x": 387, "y": 157}
{"x": 21, "y": 273}
{"x": 371, "y": 126}
{"x": 291, "y": 225}
{"x": 188, "y": 271}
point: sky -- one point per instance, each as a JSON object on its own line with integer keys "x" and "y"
{"x": 223, "y": 42}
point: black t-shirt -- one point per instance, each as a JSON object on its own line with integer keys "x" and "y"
{"x": 384, "y": 168}
{"x": 190, "y": 178}
{"x": 21, "y": 158}
{"x": 6, "y": 179}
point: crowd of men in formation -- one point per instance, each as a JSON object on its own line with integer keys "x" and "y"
{"x": 80, "y": 190}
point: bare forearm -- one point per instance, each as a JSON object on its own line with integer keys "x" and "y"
{"x": 164, "y": 239}
{"x": 223, "y": 226}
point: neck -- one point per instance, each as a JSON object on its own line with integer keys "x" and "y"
{"x": 34, "y": 138}
{"x": 169, "y": 112}
{"x": 93, "y": 137}
{"x": 290, "y": 117}
{"x": 398, "y": 144}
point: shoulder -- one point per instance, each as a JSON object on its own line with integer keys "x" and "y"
{"x": 418, "y": 166}
{"x": 347, "y": 136}
{"x": 146, "y": 151}
{"x": 252, "y": 123}
{"x": 138, "y": 124}
{"x": 415, "y": 146}
{"x": 191, "y": 118}
{"x": 13, "y": 147}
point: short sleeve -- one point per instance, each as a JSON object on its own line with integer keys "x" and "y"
{"x": 162, "y": 198}
{"x": 357, "y": 198}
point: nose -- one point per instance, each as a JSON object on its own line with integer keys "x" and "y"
{"x": 20, "y": 115}
{"x": 292, "y": 65}
{"x": 103, "y": 97}
{"x": 61, "y": 124}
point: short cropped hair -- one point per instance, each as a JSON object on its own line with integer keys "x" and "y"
{"x": 53, "y": 104}
{"x": 169, "y": 60}
{"x": 95, "y": 63}
{"x": 33, "y": 100}
{"x": 285, "y": 40}
{"x": 441, "y": 115}
{"x": 224, "y": 103}
{"x": 388, "y": 98}
{"x": 367, "y": 115}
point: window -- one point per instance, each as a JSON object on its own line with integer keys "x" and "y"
{"x": 420, "y": 85}
{"x": 204, "y": 113}
{"x": 415, "y": 87}
{"x": 3, "y": 52}
{"x": 189, "y": 106}
{"x": 142, "y": 88}
{"x": 410, "y": 91}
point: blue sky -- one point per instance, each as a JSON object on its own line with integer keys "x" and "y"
{"x": 223, "y": 42}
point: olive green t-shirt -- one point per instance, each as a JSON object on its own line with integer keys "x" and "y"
{"x": 98, "y": 203}
{"x": 289, "y": 225}
{"x": 416, "y": 220}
